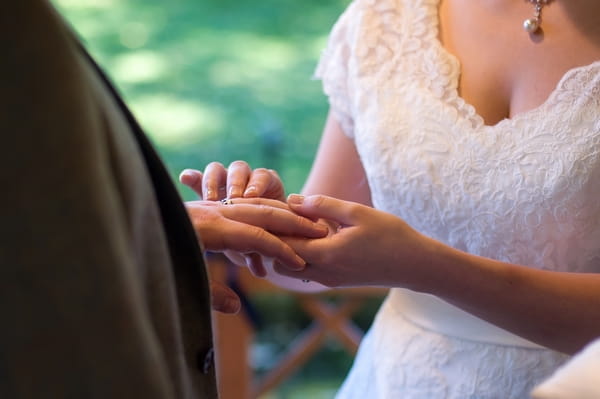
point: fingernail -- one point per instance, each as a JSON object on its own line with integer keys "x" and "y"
{"x": 301, "y": 263}
{"x": 321, "y": 227}
{"x": 251, "y": 190}
{"x": 234, "y": 191}
{"x": 295, "y": 199}
{"x": 190, "y": 175}
{"x": 233, "y": 305}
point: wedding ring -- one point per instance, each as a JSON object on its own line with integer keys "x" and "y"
{"x": 226, "y": 201}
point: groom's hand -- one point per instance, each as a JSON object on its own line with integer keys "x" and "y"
{"x": 236, "y": 181}
{"x": 223, "y": 298}
{"x": 252, "y": 227}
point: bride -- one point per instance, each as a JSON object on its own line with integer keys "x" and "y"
{"x": 460, "y": 166}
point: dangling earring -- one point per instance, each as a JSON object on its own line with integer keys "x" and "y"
{"x": 531, "y": 25}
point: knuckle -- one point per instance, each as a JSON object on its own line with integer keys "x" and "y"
{"x": 248, "y": 241}
{"x": 305, "y": 224}
{"x": 326, "y": 258}
{"x": 261, "y": 171}
{"x": 318, "y": 200}
{"x": 214, "y": 165}
{"x": 266, "y": 210}
{"x": 261, "y": 236}
{"x": 239, "y": 165}
{"x": 354, "y": 209}
{"x": 209, "y": 179}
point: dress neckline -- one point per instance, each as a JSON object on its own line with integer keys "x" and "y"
{"x": 443, "y": 55}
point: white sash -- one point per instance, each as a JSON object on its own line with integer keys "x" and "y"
{"x": 432, "y": 313}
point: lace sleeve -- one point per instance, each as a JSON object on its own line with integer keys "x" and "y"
{"x": 334, "y": 68}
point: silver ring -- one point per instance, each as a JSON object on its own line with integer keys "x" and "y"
{"x": 226, "y": 201}
{"x": 304, "y": 280}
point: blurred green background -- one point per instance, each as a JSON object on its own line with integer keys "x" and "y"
{"x": 217, "y": 80}
{"x": 222, "y": 80}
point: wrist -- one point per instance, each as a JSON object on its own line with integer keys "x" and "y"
{"x": 432, "y": 273}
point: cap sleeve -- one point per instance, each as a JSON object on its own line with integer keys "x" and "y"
{"x": 335, "y": 68}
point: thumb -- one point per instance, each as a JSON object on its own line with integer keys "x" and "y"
{"x": 223, "y": 298}
{"x": 322, "y": 206}
{"x": 193, "y": 179}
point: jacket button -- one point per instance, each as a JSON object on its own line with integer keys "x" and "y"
{"x": 205, "y": 361}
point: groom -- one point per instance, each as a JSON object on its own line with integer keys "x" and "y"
{"x": 103, "y": 287}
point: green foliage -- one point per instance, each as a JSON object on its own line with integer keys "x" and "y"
{"x": 217, "y": 80}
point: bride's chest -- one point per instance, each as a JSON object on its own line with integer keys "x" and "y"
{"x": 423, "y": 155}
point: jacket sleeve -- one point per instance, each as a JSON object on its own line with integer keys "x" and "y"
{"x": 73, "y": 320}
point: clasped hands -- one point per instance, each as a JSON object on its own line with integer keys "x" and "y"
{"x": 333, "y": 242}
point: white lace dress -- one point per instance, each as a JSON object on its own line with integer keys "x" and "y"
{"x": 526, "y": 191}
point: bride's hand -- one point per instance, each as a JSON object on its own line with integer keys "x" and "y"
{"x": 238, "y": 180}
{"x": 370, "y": 247}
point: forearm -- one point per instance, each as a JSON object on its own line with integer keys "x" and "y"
{"x": 555, "y": 309}
{"x": 337, "y": 170}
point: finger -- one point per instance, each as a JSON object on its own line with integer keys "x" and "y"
{"x": 276, "y": 189}
{"x": 245, "y": 238}
{"x": 254, "y": 262}
{"x": 224, "y": 299}
{"x": 275, "y": 220}
{"x": 311, "y": 250}
{"x": 193, "y": 179}
{"x": 213, "y": 181}
{"x": 265, "y": 183}
{"x": 258, "y": 183}
{"x": 322, "y": 206}
{"x": 262, "y": 201}
{"x": 308, "y": 273}
{"x": 238, "y": 174}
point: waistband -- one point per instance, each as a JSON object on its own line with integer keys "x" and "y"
{"x": 431, "y": 313}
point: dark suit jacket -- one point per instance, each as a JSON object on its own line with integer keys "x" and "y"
{"x": 103, "y": 289}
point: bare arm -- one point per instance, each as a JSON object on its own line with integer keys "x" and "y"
{"x": 337, "y": 170}
{"x": 555, "y": 309}
{"x": 559, "y": 310}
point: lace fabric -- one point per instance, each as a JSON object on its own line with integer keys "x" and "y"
{"x": 523, "y": 191}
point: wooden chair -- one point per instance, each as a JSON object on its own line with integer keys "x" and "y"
{"x": 234, "y": 334}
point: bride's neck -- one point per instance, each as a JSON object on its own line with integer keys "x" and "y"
{"x": 584, "y": 14}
